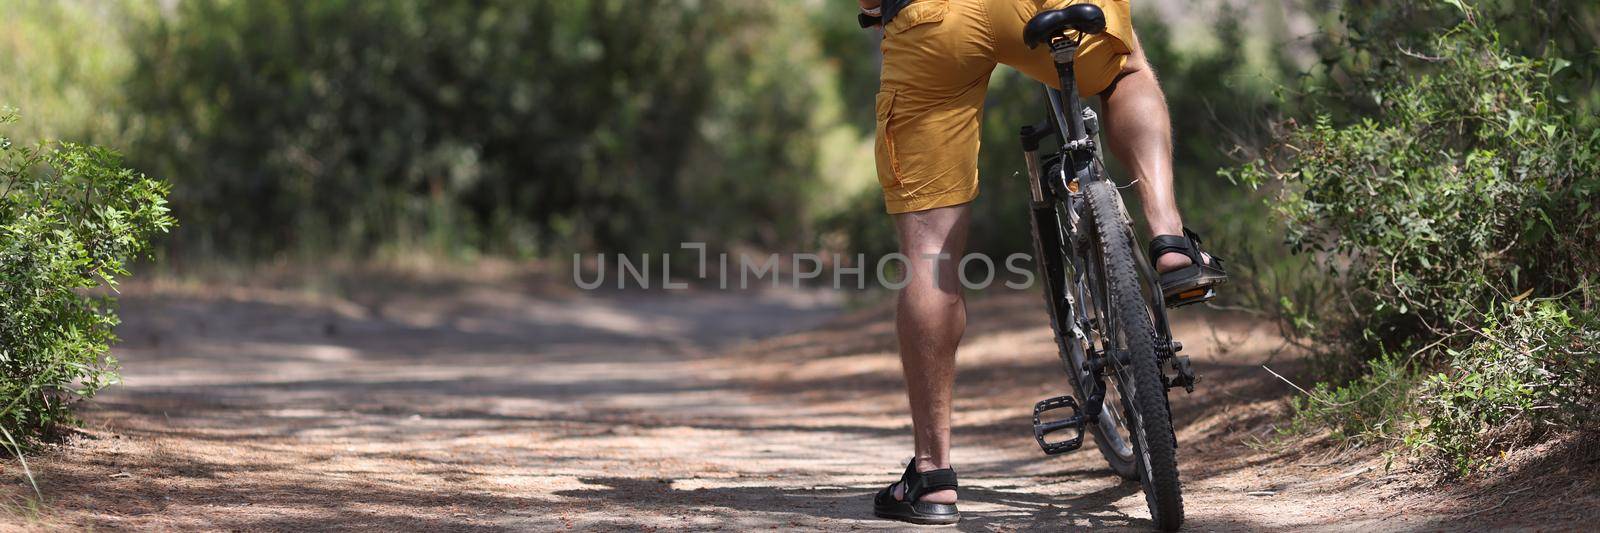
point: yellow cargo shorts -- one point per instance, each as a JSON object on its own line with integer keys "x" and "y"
{"x": 937, "y": 57}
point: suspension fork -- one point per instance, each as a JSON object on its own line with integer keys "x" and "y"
{"x": 1066, "y": 311}
{"x": 1052, "y": 238}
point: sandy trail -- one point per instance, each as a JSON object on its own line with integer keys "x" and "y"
{"x": 493, "y": 404}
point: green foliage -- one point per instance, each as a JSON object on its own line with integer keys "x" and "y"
{"x": 1469, "y": 189}
{"x": 1534, "y": 367}
{"x": 65, "y": 62}
{"x": 540, "y": 127}
{"x": 1372, "y": 38}
{"x": 71, "y": 216}
{"x": 1447, "y": 200}
{"x": 507, "y": 126}
{"x": 1370, "y": 407}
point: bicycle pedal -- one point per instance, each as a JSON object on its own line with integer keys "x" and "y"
{"x": 1200, "y": 295}
{"x": 1041, "y": 429}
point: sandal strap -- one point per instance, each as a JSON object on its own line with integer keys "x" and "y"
{"x": 919, "y": 483}
{"x": 1187, "y": 244}
{"x": 1165, "y": 244}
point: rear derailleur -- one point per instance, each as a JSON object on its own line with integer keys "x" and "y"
{"x": 1183, "y": 373}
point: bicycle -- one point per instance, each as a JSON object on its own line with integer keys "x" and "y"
{"x": 1106, "y": 307}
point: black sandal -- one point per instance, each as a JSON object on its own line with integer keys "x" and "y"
{"x": 1191, "y": 284}
{"x": 916, "y": 484}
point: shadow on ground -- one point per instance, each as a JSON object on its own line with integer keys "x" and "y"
{"x": 463, "y": 406}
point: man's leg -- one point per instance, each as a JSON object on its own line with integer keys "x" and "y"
{"x": 1140, "y": 134}
{"x": 929, "y": 320}
{"x": 1136, "y": 122}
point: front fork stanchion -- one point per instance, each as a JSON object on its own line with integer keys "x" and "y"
{"x": 1030, "y": 136}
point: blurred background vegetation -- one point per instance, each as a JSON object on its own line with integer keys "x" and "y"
{"x": 537, "y": 129}
{"x": 345, "y": 129}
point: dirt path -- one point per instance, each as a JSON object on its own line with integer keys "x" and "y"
{"x": 493, "y": 405}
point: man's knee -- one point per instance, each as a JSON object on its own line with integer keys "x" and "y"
{"x": 932, "y": 242}
{"x": 930, "y": 230}
{"x": 931, "y": 268}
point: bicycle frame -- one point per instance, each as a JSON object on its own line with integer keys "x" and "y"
{"x": 1113, "y": 346}
{"x": 1080, "y": 161}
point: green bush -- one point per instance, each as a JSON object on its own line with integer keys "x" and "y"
{"x": 1533, "y": 369}
{"x": 1465, "y": 196}
{"x": 506, "y": 126}
{"x": 71, "y": 216}
{"x": 1371, "y": 407}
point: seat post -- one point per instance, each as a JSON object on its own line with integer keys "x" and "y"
{"x": 1064, "y": 51}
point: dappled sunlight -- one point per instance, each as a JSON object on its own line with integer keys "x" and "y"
{"x": 486, "y": 266}
{"x": 387, "y": 424}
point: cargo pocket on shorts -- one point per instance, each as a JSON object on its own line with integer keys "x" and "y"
{"x": 888, "y": 160}
{"x": 917, "y": 13}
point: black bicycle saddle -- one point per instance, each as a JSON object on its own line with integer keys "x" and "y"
{"x": 1087, "y": 19}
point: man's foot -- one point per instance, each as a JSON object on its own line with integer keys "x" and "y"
{"x": 1187, "y": 274}
{"x": 919, "y": 497}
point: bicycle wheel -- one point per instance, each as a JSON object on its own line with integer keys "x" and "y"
{"x": 1137, "y": 374}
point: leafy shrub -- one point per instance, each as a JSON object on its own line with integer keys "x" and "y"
{"x": 1370, "y": 407}
{"x": 1533, "y": 369}
{"x": 507, "y": 126}
{"x": 71, "y": 216}
{"x": 1467, "y": 195}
